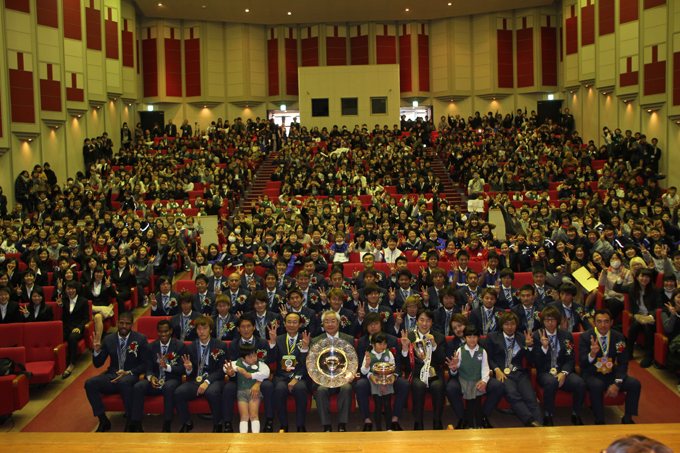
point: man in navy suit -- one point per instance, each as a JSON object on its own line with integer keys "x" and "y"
{"x": 308, "y": 322}
{"x": 183, "y": 323}
{"x": 246, "y": 330}
{"x": 369, "y": 278}
{"x": 289, "y": 352}
{"x": 275, "y": 297}
{"x": 372, "y": 293}
{"x": 262, "y": 316}
{"x": 249, "y": 280}
{"x": 442, "y": 315}
{"x": 368, "y": 261}
{"x": 601, "y": 349}
{"x": 373, "y": 323}
{"x": 336, "y": 298}
{"x": 471, "y": 293}
{"x": 127, "y": 351}
{"x": 204, "y": 299}
{"x": 204, "y": 368}
{"x": 507, "y": 350}
{"x": 317, "y": 281}
{"x": 218, "y": 282}
{"x": 310, "y": 296}
{"x": 573, "y": 314}
{"x": 507, "y": 297}
{"x": 544, "y": 293}
{"x": 529, "y": 310}
{"x": 432, "y": 295}
{"x": 555, "y": 360}
{"x": 240, "y": 298}
{"x": 225, "y": 322}
{"x": 164, "y": 370}
{"x": 494, "y": 389}
{"x": 165, "y": 302}
{"x": 486, "y": 316}
{"x": 403, "y": 291}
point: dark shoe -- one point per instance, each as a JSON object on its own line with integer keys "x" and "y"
{"x": 600, "y": 422}
{"x": 437, "y": 425}
{"x": 284, "y": 429}
{"x": 166, "y": 427}
{"x": 342, "y": 428}
{"x": 103, "y": 427}
{"x": 269, "y": 426}
{"x": 462, "y": 424}
{"x": 627, "y": 420}
{"x": 576, "y": 420}
{"x": 417, "y": 426}
{"x": 128, "y": 429}
{"x": 531, "y": 423}
{"x": 327, "y": 428}
{"x": 506, "y": 411}
{"x": 139, "y": 428}
{"x": 368, "y": 427}
{"x": 228, "y": 428}
{"x": 217, "y": 428}
{"x": 205, "y": 416}
{"x": 302, "y": 429}
{"x": 66, "y": 374}
{"x": 187, "y": 427}
{"x": 486, "y": 424}
{"x": 396, "y": 426}
{"x": 646, "y": 362}
{"x": 548, "y": 421}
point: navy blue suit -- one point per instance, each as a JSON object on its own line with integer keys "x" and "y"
{"x": 176, "y": 322}
{"x": 176, "y": 349}
{"x": 474, "y": 298}
{"x": 227, "y": 330}
{"x": 160, "y": 309}
{"x": 503, "y": 301}
{"x": 213, "y": 284}
{"x": 275, "y": 300}
{"x": 206, "y": 307}
{"x": 388, "y": 320}
{"x": 135, "y": 362}
{"x": 577, "y": 318}
{"x": 381, "y": 281}
{"x": 477, "y": 316}
{"x": 521, "y": 313}
{"x": 259, "y": 282}
{"x": 240, "y": 302}
{"x": 282, "y": 377}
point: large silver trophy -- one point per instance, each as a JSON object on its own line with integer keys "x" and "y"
{"x": 423, "y": 350}
{"x": 332, "y": 362}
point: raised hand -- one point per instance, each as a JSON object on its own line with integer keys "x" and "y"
{"x": 283, "y": 311}
{"x": 452, "y": 362}
{"x": 367, "y": 360}
{"x": 272, "y": 333}
{"x": 399, "y": 318}
{"x": 361, "y": 310}
{"x": 594, "y": 347}
{"x": 393, "y": 295}
{"x": 161, "y": 361}
{"x": 545, "y": 341}
{"x": 187, "y": 362}
{"x": 228, "y": 368}
{"x": 305, "y": 340}
{"x": 425, "y": 295}
{"x": 529, "y": 339}
{"x": 671, "y": 309}
{"x": 405, "y": 342}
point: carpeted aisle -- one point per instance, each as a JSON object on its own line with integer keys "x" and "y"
{"x": 658, "y": 404}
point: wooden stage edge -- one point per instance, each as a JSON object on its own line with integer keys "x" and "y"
{"x": 508, "y": 440}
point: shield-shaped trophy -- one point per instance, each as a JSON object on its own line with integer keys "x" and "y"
{"x": 332, "y": 362}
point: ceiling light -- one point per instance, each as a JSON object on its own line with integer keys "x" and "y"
{"x": 415, "y": 103}
{"x": 149, "y": 108}
{"x": 587, "y": 86}
{"x": 449, "y": 3}
{"x": 407, "y": 9}
{"x": 56, "y": 127}
{"x": 78, "y": 116}
{"x": 160, "y": 4}
{"x": 247, "y": 10}
{"x": 289, "y": 13}
{"x": 205, "y": 106}
{"x": 204, "y": 7}
{"x": 283, "y": 107}
{"x": 30, "y": 139}
{"x": 625, "y": 100}
{"x": 99, "y": 106}
{"x": 649, "y": 111}
{"x": 604, "y": 93}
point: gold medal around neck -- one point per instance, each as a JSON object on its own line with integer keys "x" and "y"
{"x": 553, "y": 371}
{"x": 161, "y": 382}
{"x": 199, "y": 379}
{"x": 507, "y": 371}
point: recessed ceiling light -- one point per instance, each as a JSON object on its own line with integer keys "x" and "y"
{"x": 160, "y": 4}
{"x": 649, "y": 111}
{"x": 205, "y": 106}
{"x": 247, "y": 10}
{"x": 289, "y": 13}
{"x": 449, "y": 3}
{"x": 407, "y": 9}
{"x": 204, "y": 7}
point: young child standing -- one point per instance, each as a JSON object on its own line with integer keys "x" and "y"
{"x": 248, "y": 371}
{"x": 472, "y": 364}
{"x": 382, "y": 393}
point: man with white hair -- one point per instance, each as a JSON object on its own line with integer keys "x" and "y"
{"x": 330, "y": 321}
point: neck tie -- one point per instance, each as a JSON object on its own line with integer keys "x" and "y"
{"x": 412, "y": 323}
{"x": 304, "y": 298}
{"x": 233, "y": 299}
{"x": 165, "y": 350}
{"x": 448, "y": 318}
{"x": 530, "y": 318}
{"x": 373, "y": 310}
{"x": 508, "y": 295}
{"x": 510, "y": 347}
{"x": 166, "y": 301}
{"x": 605, "y": 346}
{"x": 291, "y": 342}
{"x": 122, "y": 354}
{"x": 202, "y": 297}
{"x": 260, "y": 325}
{"x": 271, "y": 297}
{"x": 570, "y": 321}
{"x": 404, "y": 293}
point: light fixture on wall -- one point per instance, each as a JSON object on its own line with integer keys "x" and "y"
{"x": 649, "y": 111}
{"x": 625, "y": 100}
{"x": 205, "y": 106}
{"x": 283, "y": 107}
{"x": 551, "y": 97}
{"x": 115, "y": 99}
{"x": 149, "y": 108}
{"x": 415, "y": 103}
{"x": 79, "y": 116}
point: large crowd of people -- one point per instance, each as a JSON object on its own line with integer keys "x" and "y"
{"x": 330, "y": 256}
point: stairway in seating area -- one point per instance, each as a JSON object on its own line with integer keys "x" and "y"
{"x": 452, "y": 192}
{"x": 259, "y": 183}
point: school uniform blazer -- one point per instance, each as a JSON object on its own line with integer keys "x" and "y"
{"x": 616, "y": 353}
{"x": 176, "y": 348}
{"x": 176, "y": 322}
{"x": 44, "y": 314}
{"x": 566, "y": 357}
{"x": 207, "y": 309}
{"x": 521, "y": 314}
{"x": 217, "y": 355}
{"x": 229, "y": 334}
{"x": 77, "y": 318}
{"x": 495, "y": 345}
{"x": 135, "y": 357}
{"x": 503, "y": 301}
{"x": 160, "y": 311}
{"x": 12, "y": 314}
{"x": 476, "y": 318}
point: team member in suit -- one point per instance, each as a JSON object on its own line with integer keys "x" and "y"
{"x": 471, "y": 293}
{"x": 246, "y": 330}
{"x": 372, "y": 293}
{"x": 184, "y": 322}
{"x": 204, "y": 300}
{"x": 555, "y": 360}
{"x": 124, "y": 279}
{"x": 317, "y": 280}
{"x": 347, "y": 318}
{"x": 127, "y": 351}
{"x": 289, "y": 352}
{"x": 432, "y": 295}
{"x": 454, "y": 392}
{"x": 309, "y": 322}
{"x": 225, "y": 322}
{"x": 203, "y": 366}
{"x": 330, "y": 321}
{"x": 275, "y": 297}
{"x": 164, "y": 370}
{"x": 407, "y": 321}
{"x": 413, "y": 365}
{"x": 507, "y": 350}
{"x": 374, "y": 323}
{"x": 165, "y": 302}
{"x": 442, "y": 315}
{"x": 218, "y": 282}
{"x": 486, "y": 316}
{"x": 370, "y": 278}
{"x": 249, "y": 278}
{"x": 506, "y": 292}
{"x": 604, "y": 368}
{"x": 310, "y": 297}
{"x": 263, "y": 317}
{"x": 573, "y": 315}
{"x": 9, "y": 311}
{"x": 37, "y": 310}
{"x": 529, "y": 310}
{"x": 240, "y": 298}
{"x": 398, "y": 296}
{"x": 544, "y": 293}
{"x": 75, "y": 314}
{"x": 368, "y": 261}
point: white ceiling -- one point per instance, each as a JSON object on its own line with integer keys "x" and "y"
{"x": 324, "y": 11}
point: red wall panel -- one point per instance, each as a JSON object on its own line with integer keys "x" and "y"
{"x": 629, "y": 77}
{"x": 525, "y": 57}
{"x": 628, "y": 11}
{"x": 273, "y": 66}
{"x": 676, "y": 78}
{"x": 571, "y": 29}
{"x": 173, "y": 66}
{"x": 310, "y": 51}
{"x": 588, "y": 25}
{"x": 72, "y": 24}
{"x": 336, "y": 51}
{"x": 93, "y": 28}
{"x": 655, "y": 78}
{"x": 386, "y": 49}
{"x": 549, "y": 55}
{"x": 18, "y": 5}
{"x": 192, "y": 66}
{"x": 137, "y": 47}
{"x": 128, "y": 49}
{"x": 50, "y": 95}
{"x": 150, "y": 55}
{"x": 653, "y": 3}
{"x": 111, "y": 29}
{"x": 291, "y": 66}
{"x": 47, "y": 13}
{"x": 22, "y": 106}
{"x": 359, "y": 50}
{"x": 405, "y": 82}
{"x": 506, "y": 78}
{"x": 74, "y": 93}
{"x": 424, "y": 62}
{"x": 607, "y": 15}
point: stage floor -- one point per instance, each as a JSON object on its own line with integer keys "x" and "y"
{"x": 513, "y": 440}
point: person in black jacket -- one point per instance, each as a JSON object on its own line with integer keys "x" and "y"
{"x": 124, "y": 278}
{"x": 37, "y": 310}
{"x": 9, "y": 311}
{"x": 74, "y": 316}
